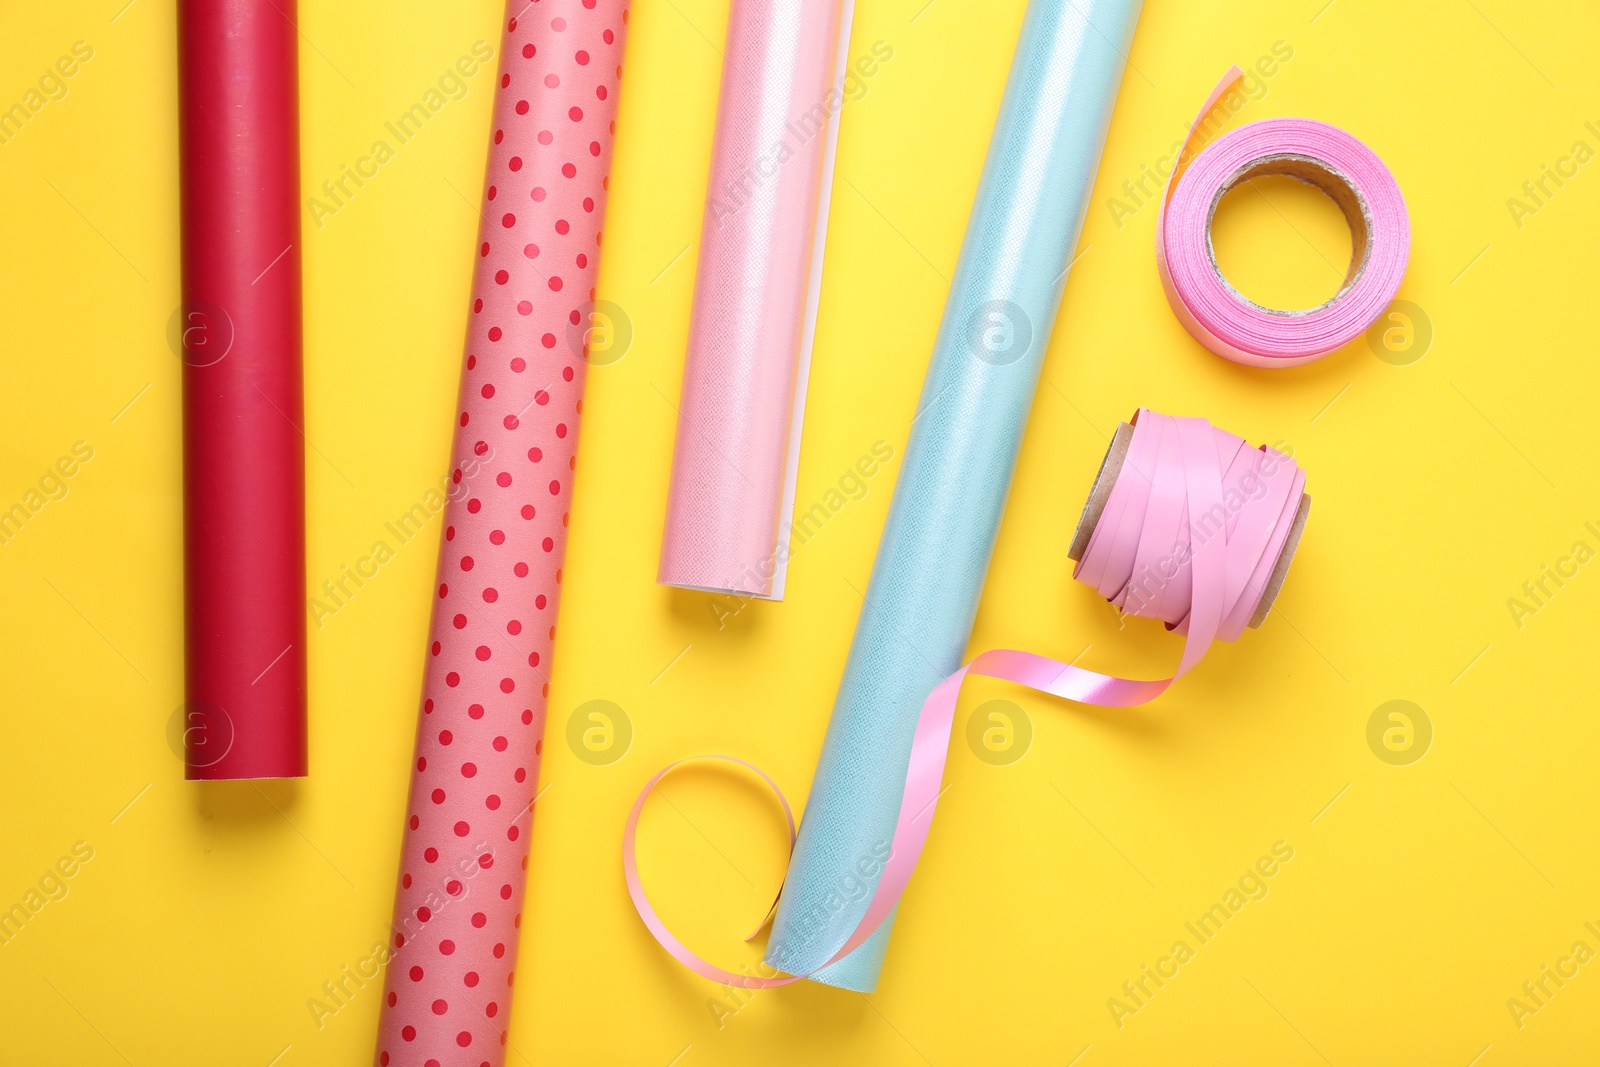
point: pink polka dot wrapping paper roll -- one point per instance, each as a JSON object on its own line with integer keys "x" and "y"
{"x": 458, "y": 907}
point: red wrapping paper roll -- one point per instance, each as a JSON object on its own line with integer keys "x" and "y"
{"x": 238, "y": 333}
{"x": 465, "y": 855}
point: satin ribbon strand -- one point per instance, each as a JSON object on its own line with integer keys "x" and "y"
{"x": 641, "y": 900}
{"x": 1189, "y": 498}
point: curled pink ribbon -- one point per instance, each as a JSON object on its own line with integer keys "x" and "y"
{"x": 1191, "y": 533}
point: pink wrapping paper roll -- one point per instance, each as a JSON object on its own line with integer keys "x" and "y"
{"x": 750, "y": 334}
{"x": 464, "y": 861}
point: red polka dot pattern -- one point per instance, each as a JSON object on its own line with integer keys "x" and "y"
{"x": 459, "y": 905}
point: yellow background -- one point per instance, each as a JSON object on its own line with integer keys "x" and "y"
{"x": 1419, "y": 899}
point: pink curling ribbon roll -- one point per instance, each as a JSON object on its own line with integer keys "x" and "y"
{"x": 1353, "y": 177}
{"x": 463, "y": 867}
{"x": 1186, "y": 523}
{"x": 755, "y": 303}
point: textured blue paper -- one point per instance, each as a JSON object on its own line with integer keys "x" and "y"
{"x": 930, "y": 568}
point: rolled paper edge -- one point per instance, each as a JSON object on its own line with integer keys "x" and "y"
{"x": 1100, "y": 492}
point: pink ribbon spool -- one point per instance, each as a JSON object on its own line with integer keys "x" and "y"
{"x": 1350, "y": 173}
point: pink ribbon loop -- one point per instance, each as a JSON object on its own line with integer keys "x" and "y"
{"x": 1191, "y": 533}
{"x": 641, "y": 901}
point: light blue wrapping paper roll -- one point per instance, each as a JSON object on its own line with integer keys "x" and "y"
{"x": 931, "y": 564}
